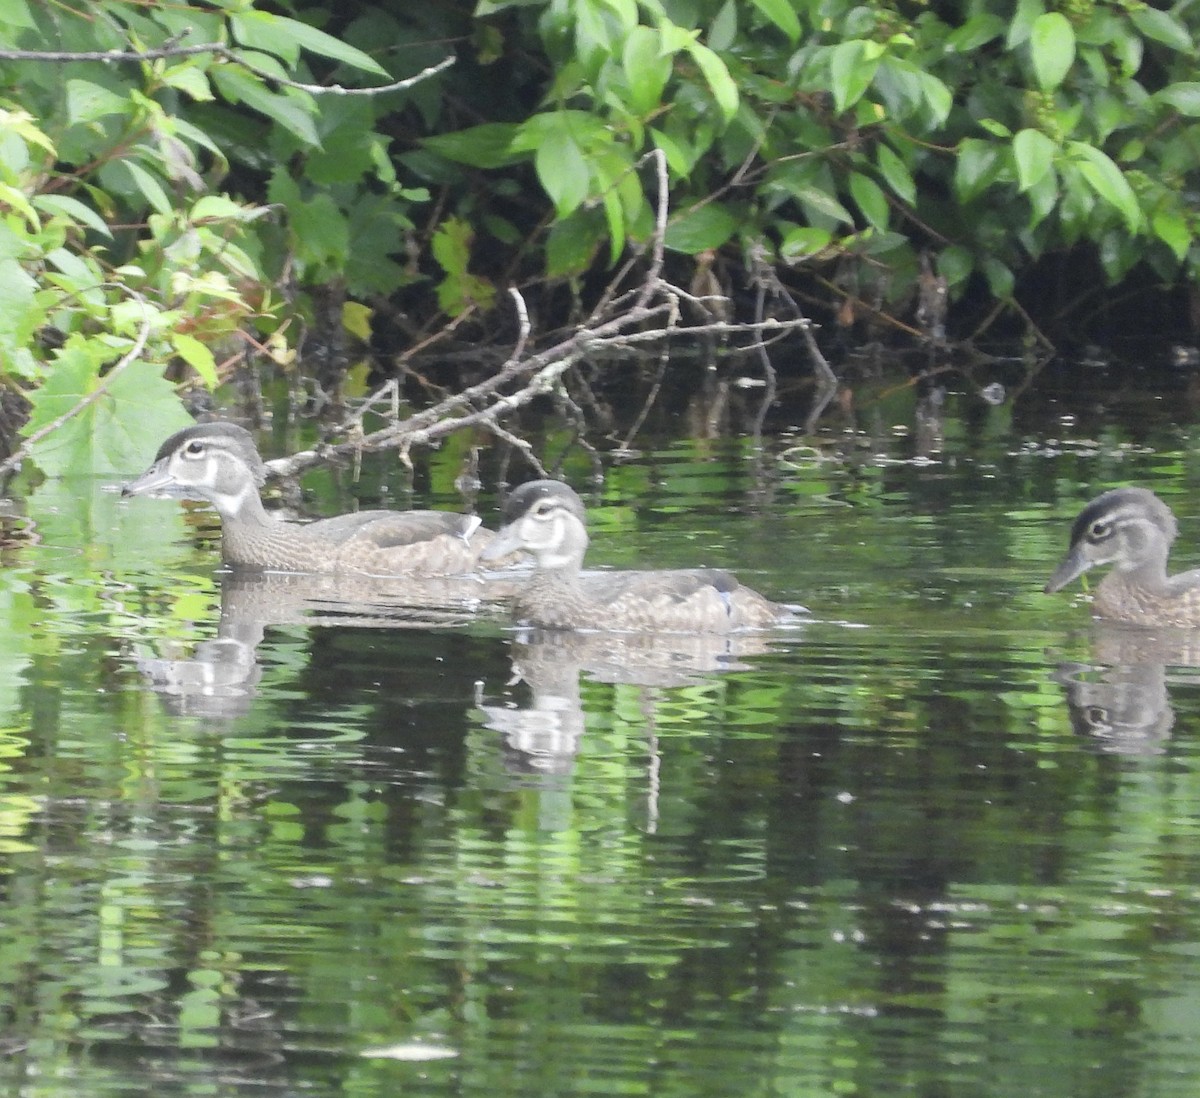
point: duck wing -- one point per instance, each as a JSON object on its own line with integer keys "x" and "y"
{"x": 676, "y": 585}
{"x": 396, "y": 529}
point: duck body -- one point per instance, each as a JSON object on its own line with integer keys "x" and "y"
{"x": 546, "y": 519}
{"x": 219, "y": 463}
{"x": 1131, "y": 530}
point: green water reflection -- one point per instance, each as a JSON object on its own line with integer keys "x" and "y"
{"x": 940, "y": 841}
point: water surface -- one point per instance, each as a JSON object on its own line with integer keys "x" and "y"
{"x": 942, "y": 840}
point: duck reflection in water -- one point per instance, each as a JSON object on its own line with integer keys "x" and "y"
{"x": 1122, "y": 701}
{"x": 544, "y": 736}
{"x": 1145, "y": 621}
{"x": 219, "y": 679}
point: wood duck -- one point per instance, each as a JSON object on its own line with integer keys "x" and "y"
{"x": 219, "y": 462}
{"x": 1131, "y": 529}
{"x": 546, "y": 520}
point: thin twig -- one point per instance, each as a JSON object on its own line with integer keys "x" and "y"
{"x": 663, "y": 356}
{"x": 760, "y": 299}
{"x": 226, "y": 53}
{"x": 523, "y": 329}
{"x": 658, "y": 240}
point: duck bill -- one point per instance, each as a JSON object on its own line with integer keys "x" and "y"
{"x": 154, "y": 479}
{"x": 504, "y": 543}
{"x": 1072, "y": 567}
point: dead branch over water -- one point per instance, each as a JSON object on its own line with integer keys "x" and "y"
{"x": 646, "y": 315}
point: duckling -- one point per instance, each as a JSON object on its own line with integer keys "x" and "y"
{"x": 219, "y": 462}
{"x": 546, "y": 519}
{"x": 1131, "y": 529}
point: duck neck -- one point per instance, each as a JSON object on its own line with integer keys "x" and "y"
{"x": 1148, "y": 573}
{"x": 561, "y": 561}
{"x": 251, "y": 535}
{"x": 242, "y": 508}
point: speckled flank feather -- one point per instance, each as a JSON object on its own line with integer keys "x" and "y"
{"x": 546, "y": 519}
{"x": 219, "y": 462}
{"x": 1131, "y": 530}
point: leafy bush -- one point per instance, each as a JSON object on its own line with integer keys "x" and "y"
{"x": 116, "y": 245}
{"x": 172, "y": 198}
{"x": 849, "y": 139}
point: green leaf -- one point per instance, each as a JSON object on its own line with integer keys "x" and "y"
{"x": 82, "y": 275}
{"x": 977, "y": 167}
{"x": 1108, "y": 181}
{"x": 87, "y": 102}
{"x": 326, "y": 45}
{"x": 977, "y": 31}
{"x": 319, "y": 231}
{"x": 147, "y": 185}
{"x": 701, "y": 228}
{"x": 647, "y": 68}
{"x": 851, "y": 70}
{"x": 189, "y": 79}
{"x": 802, "y": 242}
{"x": 869, "y": 198}
{"x": 1033, "y": 153}
{"x": 19, "y": 313}
{"x": 722, "y": 31}
{"x": 18, "y": 200}
{"x": 820, "y": 204}
{"x": 1183, "y": 96}
{"x": 257, "y": 30}
{"x": 1052, "y": 48}
{"x": 63, "y": 205}
{"x": 999, "y": 278}
{"x": 895, "y": 173}
{"x": 17, "y": 14}
{"x": 563, "y": 171}
{"x": 113, "y": 434}
{"x": 1162, "y": 26}
{"x": 459, "y": 290}
{"x": 572, "y": 243}
{"x": 938, "y": 97}
{"x": 720, "y": 83}
{"x": 1172, "y": 228}
{"x": 1021, "y": 22}
{"x": 291, "y": 111}
{"x": 624, "y": 10}
{"x": 955, "y": 264}
{"x": 587, "y": 130}
{"x": 679, "y": 159}
{"x": 783, "y": 15}
{"x": 284, "y": 37}
{"x": 451, "y": 245}
{"x": 197, "y": 356}
{"x": 1042, "y": 198}
{"x": 486, "y": 146}
{"x": 614, "y": 215}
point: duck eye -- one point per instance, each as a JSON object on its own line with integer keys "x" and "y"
{"x": 1100, "y": 530}
{"x": 195, "y": 448}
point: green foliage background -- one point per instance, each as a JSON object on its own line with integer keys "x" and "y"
{"x": 199, "y": 197}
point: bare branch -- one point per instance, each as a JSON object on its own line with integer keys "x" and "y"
{"x": 658, "y": 241}
{"x": 226, "y": 53}
{"x": 523, "y": 333}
